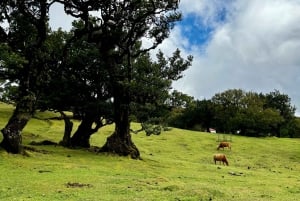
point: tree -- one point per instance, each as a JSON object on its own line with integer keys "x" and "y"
{"x": 207, "y": 114}
{"x": 180, "y": 100}
{"x": 294, "y": 131}
{"x": 23, "y": 54}
{"x": 228, "y": 104}
{"x": 282, "y": 104}
{"x": 119, "y": 25}
{"x": 182, "y": 110}
{"x": 198, "y": 115}
{"x": 246, "y": 112}
{"x": 255, "y": 120}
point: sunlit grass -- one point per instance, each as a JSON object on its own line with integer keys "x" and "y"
{"x": 176, "y": 165}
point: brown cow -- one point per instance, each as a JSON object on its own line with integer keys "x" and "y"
{"x": 222, "y": 158}
{"x": 223, "y": 145}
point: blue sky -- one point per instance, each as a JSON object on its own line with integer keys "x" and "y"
{"x": 192, "y": 28}
{"x": 196, "y": 28}
{"x": 252, "y": 45}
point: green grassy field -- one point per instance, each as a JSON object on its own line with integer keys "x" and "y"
{"x": 176, "y": 165}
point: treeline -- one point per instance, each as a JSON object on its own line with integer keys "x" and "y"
{"x": 239, "y": 112}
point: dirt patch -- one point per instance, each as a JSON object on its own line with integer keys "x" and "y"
{"x": 78, "y": 185}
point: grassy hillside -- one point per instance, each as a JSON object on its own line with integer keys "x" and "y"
{"x": 176, "y": 165}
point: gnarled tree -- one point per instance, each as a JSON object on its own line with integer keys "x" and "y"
{"x": 119, "y": 25}
{"x": 23, "y": 30}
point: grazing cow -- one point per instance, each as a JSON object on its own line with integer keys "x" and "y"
{"x": 223, "y": 145}
{"x": 222, "y": 158}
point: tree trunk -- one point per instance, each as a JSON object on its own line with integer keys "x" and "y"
{"x": 120, "y": 141}
{"x": 81, "y": 137}
{"x": 12, "y": 137}
{"x": 66, "y": 142}
{"x": 121, "y": 146}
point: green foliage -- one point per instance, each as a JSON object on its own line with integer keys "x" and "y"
{"x": 151, "y": 129}
{"x": 198, "y": 115}
{"x": 10, "y": 62}
{"x": 249, "y": 113}
{"x": 179, "y": 99}
{"x": 79, "y": 74}
{"x": 281, "y": 103}
{"x": 8, "y": 93}
{"x": 151, "y": 83}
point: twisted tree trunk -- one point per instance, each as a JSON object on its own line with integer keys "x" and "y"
{"x": 68, "y": 129}
{"x": 120, "y": 141}
{"x": 85, "y": 130}
{"x": 12, "y": 137}
{"x": 81, "y": 137}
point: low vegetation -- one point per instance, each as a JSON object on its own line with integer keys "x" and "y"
{"x": 176, "y": 165}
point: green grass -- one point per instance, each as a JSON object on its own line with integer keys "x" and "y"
{"x": 176, "y": 165}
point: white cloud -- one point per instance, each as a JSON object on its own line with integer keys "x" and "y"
{"x": 208, "y": 11}
{"x": 256, "y": 48}
{"x": 58, "y": 18}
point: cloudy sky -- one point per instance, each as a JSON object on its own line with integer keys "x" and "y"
{"x": 252, "y": 45}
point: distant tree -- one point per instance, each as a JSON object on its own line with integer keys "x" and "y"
{"x": 248, "y": 119}
{"x": 255, "y": 120}
{"x": 207, "y": 114}
{"x": 282, "y": 104}
{"x": 227, "y": 106}
{"x": 198, "y": 115}
{"x": 246, "y": 112}
{"x": 181, "y": 108}
{"x": 294, "y": 128}
{"x": 180, "y": 100}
